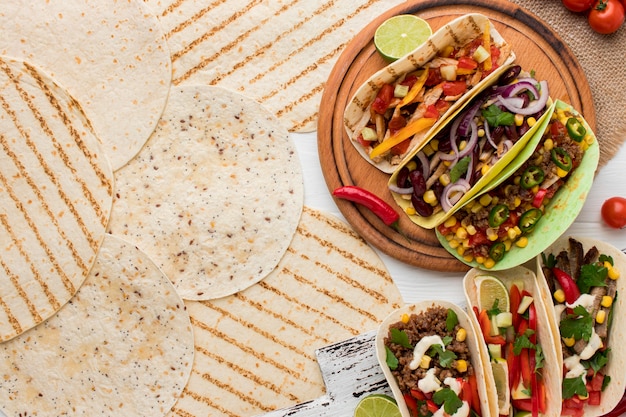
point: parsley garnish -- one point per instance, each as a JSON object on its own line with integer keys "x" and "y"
{"x": 522, "y": 342}
{"x": 399, "y": 337}
{"x": 578, "y": 325}
{"x": 591, "y": 275}
{"x": 451, "y": 402}
{"x": 451, "y": 320}
{"x": 390, "y": 358}
{"x": 459, "y": 168}
{"x": 550, "y": 261}
{"x": 597, "y": 361}
{"x": 446, "y": 357}
{"x": 572, "y": 386}
{"x": 494, "y": 311}
{"x": 606, "y": 258}
{"x": 538, "y": 357}
{"x": 497, "y": 117}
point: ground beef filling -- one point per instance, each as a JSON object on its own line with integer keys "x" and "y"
{"x": 428, "y": 323}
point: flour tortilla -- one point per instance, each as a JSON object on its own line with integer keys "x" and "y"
{"x": 255, "y": 350}
{"x": 56, "y": 191}
{"x": 215, "y": 195}
{"x": 278, "y": 52}
{"x": 122, "y": 346}
{"x": 552, "y": 367}
{"x": 111, "y": 55}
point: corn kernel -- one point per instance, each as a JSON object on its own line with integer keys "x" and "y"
{"x": 471, "y": 229}
{"x": 600, "y": 316}
{"x": 588, "y": 139}
{"x": 522, "y": 242}
{"x": 481, "y": 133}
{"x": 531, "y": 121}
{"x": 461, "y": 233}
{"x": 517, "y": 202}
{"x": 461, "y": 334}
{"x": 517, "y": 179}
{"x": 535, "y": 189}
{"x": 444, "y": 179}
{"x": 425, "y": 362}
{"x": 468, "y": 258}
{"x": 454, "y": 243}
{"x": 428, "y": 150}
{"x": 613, "y": 273}
{"x": 484, "y": 169}
{"x": 569, "y": 341}
{"x": 607, "y": 301}
{"x": 451, "y": 221}
{"x": 492, "y": 235}
{"x": 511, "y": 233}
{"x": 466, "y": 243}
{"x": 461, "y": 365}
{"x": 462, "y": 145}
{"x": 485, "y": 199}
{"x": 404, "y": 318}
{"x": 519, "y": 119}
{"x": 410, "y": 210}
{"x": 460, "y": 250}
{"x": 489, "y": 263}
{"x": 411, "y": 166}
{"x": 561, "y": 172}
{"x": 507, "y": 244}
{"x": 434, "y": 144}
{"x": 430, "y": 197}
{"x": 583, "y": 397}
{"x": 548, "y": 144}
{"x": 559, "y": 296}
{"x": 476, "y": 207}
{"x": 480, "y": 260}
{"x": 447, "y": 163}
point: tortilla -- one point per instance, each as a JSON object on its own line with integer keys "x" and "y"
{"x": 552, "y": 370}
{"x": 613, "y": 393}
{"x": 110, "y": 55}
{"x": 122, "y": 346}
{"x": 478, "y": 358}
{"x": 56, "y": 190}
{"x": 277, "y": 52}
{"x": 456, "y": 33}
{"x": 215, "y": 195}
{"x": 255, "y": 350}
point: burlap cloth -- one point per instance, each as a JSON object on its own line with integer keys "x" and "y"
{"x": 602, "y": 57}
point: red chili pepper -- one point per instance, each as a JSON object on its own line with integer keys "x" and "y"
{"x": 374, "y": 203}
{"x": 568, "y": 285}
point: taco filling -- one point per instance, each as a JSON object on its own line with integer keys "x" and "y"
{"x": 416, "y": 100}
{"x": 431, "y": 362}
{"x": 485, "y": 229}
{"x": 460, "y": 154}
{"x": 583, "y": 287}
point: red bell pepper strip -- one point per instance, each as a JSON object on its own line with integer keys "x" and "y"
{"x": 532, "y": 323}
{"x": 513, "y": 363}
{"x": 534, "y": 386}
{"x": 383, "y": 99}
{"x": 411, "y": 404}
{"x": 539, "y": 197}
{"x": 515, "y": 297}
{"x": 475, "y": 399}
{"x": 525, "y": 367}
{"x": 568, "y": 285}
{"x": 371, "y": 201}
{"x": 485, "y": 327}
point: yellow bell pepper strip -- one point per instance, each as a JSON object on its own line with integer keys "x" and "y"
{"x": 415, "y": 89}
{"x": 487, "y": 64}
{"x": 401, "y": 135}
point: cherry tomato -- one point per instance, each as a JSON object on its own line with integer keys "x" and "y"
{"x": 578, "y": 6}
{"x": 606, "y": 16}
{"x": 614, "y": 212}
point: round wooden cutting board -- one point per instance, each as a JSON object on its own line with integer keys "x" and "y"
{"x": 537, "y": 49}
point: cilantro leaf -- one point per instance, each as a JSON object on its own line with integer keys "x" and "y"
{"x": 451, "y": 402}
{"x": 497, "y": 117}
{"x": 447, "y": 340}
{"x": 522, "y": 342}
{"x": 578, "y": 325}
{"x": 451, "y": 320}
{"x": 459, "y": 168}
{"x": 550, "y": 261}
{"x": 446, "y": 357}
{"x": 494, "y": 311}
{"x": 591, "y": 275}
{"x": 539, "y": 357}
{"x": 573, "y": 386}
{"x": 597, "y": 361}
{"x": 392, "y": 361}
{"x": 399, "y": 337}
{"x": 606, "y": 258}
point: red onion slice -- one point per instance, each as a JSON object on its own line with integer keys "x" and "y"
{"x": 453, "y": 192}
{"x": 533, "y": 107}
{"x": 398, "y": 190}
{"x": 472, "y": 141}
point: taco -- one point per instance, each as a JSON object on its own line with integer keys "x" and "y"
{"x": 431, "y": 358}
{"x": 397, "y": 108}
{"x": 482, "y": 232}
{"x": 472, "y": 148}
{"x": 508, "y": 309}
{"x": 580, "y": 283}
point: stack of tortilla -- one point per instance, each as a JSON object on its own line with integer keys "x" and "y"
{"x": 157, "y": 257}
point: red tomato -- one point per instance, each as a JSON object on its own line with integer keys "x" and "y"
{"x": 606, "y": 16}
{"x": 466, "y": 62}
{"x": 578, "y": 6}
{"x": 453, "y": 88}
{"x": 614, "y": 212}
{"x": 383, "y": 99}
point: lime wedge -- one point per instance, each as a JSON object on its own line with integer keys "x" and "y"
{"x": 490, "y": 290}
{"x": 501, "y": 376}
{"x": 377, "y": 405}
{"x": 401, "y": 34}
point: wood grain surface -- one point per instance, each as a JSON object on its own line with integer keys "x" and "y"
{"x": 537, "y": 48}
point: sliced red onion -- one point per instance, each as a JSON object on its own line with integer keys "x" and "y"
{"x": 467, "y": 117}
{"x": 471, "y": 143}
{"x": 454, "y": 135}
{"x": 511, "y": 102}
{"x": 398, "y": 190}
{"x": 521, "y": 86}
{"x": 453, "y": 192}
{"x": 534, "y": 106}
{"x": 470, "y": 169}
{"x": 488, "y": 134}
{"x": 425, "y": 163}
{"x": 447, "y": 156}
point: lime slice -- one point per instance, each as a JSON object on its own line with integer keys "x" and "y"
{"x": 377, "y": 405}
{"x": 501, "y": 376}
{"x": 491, "y": 289}
{"x": 399, "y": 35}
